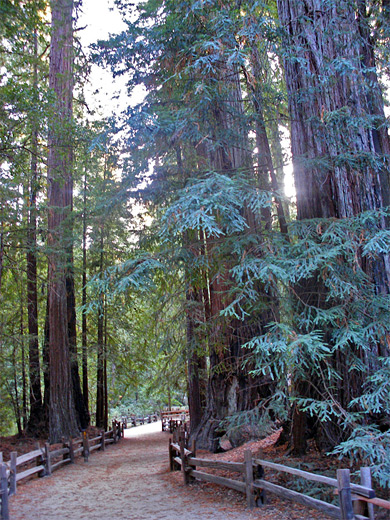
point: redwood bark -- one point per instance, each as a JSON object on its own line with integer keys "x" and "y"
{"x": 196, "y": 356}
{"x": 62, "y": 419}
{"x": 339, "y": 141}
{"x": 80, "y": 406}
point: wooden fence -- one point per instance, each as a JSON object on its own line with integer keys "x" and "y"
{"x": 356, "y": 501}
{"x": 173, "y": 419}
{"x": 137, "y": 421}
{"x": 44, "y": 461}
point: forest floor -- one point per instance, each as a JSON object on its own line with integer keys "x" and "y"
{"x": 131, "y": 481}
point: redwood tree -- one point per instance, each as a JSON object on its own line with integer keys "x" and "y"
{"x": 340, "y": 149}
{"x": 62, "y": 416}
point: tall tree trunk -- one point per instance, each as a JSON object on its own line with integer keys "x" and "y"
{"x": 100, "y": 366}
{"x": 1, "y": 244}
{"x": 196, "y": 356}
{"x": 100, "y": 399}
{"x": 62, "y": 420}
{"x": 35, "y": 421}
{"x": 196, "y": 360}
{"x": 16, "y": 401}
{"x": 84, "y": 302}
{"x": 339, "y": 141}
{"x": 231, "y": 389}
{"x": 24, "y": 387}
{"x": 105, "y": 371}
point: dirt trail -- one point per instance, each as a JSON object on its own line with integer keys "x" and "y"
{"x": 127, "y": 481}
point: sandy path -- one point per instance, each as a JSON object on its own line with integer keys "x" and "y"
{"x": 127, "y": 481}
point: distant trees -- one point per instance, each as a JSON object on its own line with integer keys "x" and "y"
{"x": 22, "y": 93}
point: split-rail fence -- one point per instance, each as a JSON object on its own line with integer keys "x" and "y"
{"x": 43, "y": 461}
{"x": 173, "y": 419}
{"x": 356, "y": 501}
{"x": 137, "y": 421}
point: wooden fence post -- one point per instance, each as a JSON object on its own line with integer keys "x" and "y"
{"x": 360, "y": 507}
{"x": 170, "y": 452}
{"x": 183, "y": 458}
{"x": 12, "y": 479}
{"x": 193, "y": 447}
{"x": 114, "y": 431}
{"x": 85, "y": 446}
{"x": 4, "y": 492}
{"x": 345, "y": 496}
{"x": 71, "y": 450}
{"x": 103, "y": 441}
{"x": 250, "y": 497}
{"x": 65, "y": 445}
{"x": 258, "y": 473}
{"x": 40, "y": 460}
{"x": 47, "y": 459}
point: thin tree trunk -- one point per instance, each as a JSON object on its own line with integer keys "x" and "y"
{"x": 22, "y": 346}
{"x": 18, "y": 415}
{"x": 24, "y": 387}
{"x": 1, "y": 244}
{"x": 100, "y": 384}
{"x": 36, "y": 405}
{"x": 46, "y": 367}
{"x": 265, "y": 163}
{"x": 100, "y": 366}
{"x": 105, "y": 371}
{"x": 84, "y": 302}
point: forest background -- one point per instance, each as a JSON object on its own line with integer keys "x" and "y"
{"x": 152, "y": 254}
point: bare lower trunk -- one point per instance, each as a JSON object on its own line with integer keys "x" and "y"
{"x": 80, "y": 407}
{"x": 196, "y": 359}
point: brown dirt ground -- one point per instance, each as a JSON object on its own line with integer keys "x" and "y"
{"x": 131, "y": 481}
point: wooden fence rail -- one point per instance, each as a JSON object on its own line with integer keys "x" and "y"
{"x": 173, "y": 419}
{"x": 356, "y": 501}
{"x": 44, "y": 461}
{"x": 132, "y": 420}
